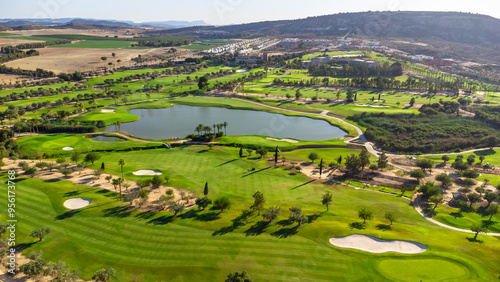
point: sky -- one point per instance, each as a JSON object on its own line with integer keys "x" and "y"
{"x": 223, "y": 12}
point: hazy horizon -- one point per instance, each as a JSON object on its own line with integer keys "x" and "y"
{"x": 225, "y": 12}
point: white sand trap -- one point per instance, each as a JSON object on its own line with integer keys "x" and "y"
{"x": 242, "y": 71}
{"x": 283, "y": 140}
{"x": 374, "y": 245}
{"x": 68, "y": 149}
{"x": 147, "y": 172}
{"x": 77, "y": 203}
{"x": 374, "y": 106}
{"x": 108, "y": 111}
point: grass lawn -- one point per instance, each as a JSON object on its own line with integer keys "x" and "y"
{"x": 208, "y": 245}
{"x": 449, "y": 215}
{"x": 491, "y": 156}
{"x": 270, "y": 144}
{"x": 328, "y": 155}
{"x": 53, "y": 144}
{"x": 96, "y": 44}
{"x": 198, "y": 47}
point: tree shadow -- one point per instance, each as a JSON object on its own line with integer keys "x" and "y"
{"x": 189, "y": 214}
{"x": 285, "y": 232}
{"x": 241, "y": 220}
{"x": 312, "y": 218}
{"x": 254, "y": 172}
{"x": 357, "y": 225}
{"x": 53, "y": 180}
{"x": 428, "y": 210}
{"x": 24, "y": 246}
{"x": 482, "y": 211}
{"x": 72, "y": 194}
{"x": 67, "y": 214}
{"x": 308, "y": 182}
{"x": 228, "y": 162}
{"x": 257, "y": 228}
{"x": 487, "y": 223}
{"x": 384, "y": 227}
{"x": 488, "y": 152}
{"x": 208, "y": 216}
{"x": 107, "y": 193}
{"x": 145, "y": 215}
{"x": 162, "y": 220}
{"x": 456, "y": 214}
{"x": 284, "y": 222}
{"x": 472, "y": 240}
{"x": 120, "y": 211}
{"x": 202, "y": 151}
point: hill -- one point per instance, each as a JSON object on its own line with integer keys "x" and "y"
{"x": 449, "y": 26}
{"x": 4, "y": 28}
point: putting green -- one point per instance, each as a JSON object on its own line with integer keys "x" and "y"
{"x": 422, "y": 269}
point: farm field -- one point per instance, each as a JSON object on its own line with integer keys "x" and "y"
{"x": 100, "y": 44}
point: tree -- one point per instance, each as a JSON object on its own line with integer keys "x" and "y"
{"x": 373, "y": 167}
{"x": 471, "y": 174}
{"x": 238, "y": 277}
{"x": 176, "y": 207}
{"x": 31, "y": 171}
{"x": 35, "y": 266}
{"x": 382, "y": 161}
{"x": 391, "y": 216}
{"x": 157, "y": 181}
{"x": 66, "y": 172}
{"x": 429, "y": 189}
{"x": 352, "y": 162}
{"x": 412, "y": 101}
{"x": 203, "y": 202}
{"x": 262, "y": 152}
{"x": 313, "y": 156}
{"x": 298, "y": 94}
{"x": 326, "y": 199}
{"x": 436, "y": 200}
{"x": 205, "y": 190}
{"x": 222, "y": 203}
{"x": 445, "y": 179}
{"x": 103, "y": 166}
{"x": 75, "y": 157}
{"x": 364, "y": 158}
{"x": 417, "y": 174}
{"x": 445, "y": 158}
{"x": 339, "y": 160}
{"x": 477, "y": 229}
{"x": 425, "y": 164}
{"x": 471, "y": 159}
{"x": 491, "y": 211}
{"x": 103, "y": 275}
{"x": 473, "y": 198}
{"x": 258, "y": 202}
{"x": 296, "y": 215}
{"x": 271, "y": 214}
{"x": 481, "y": 159}
{"x": 203, "y": 82}
{"x": 40, "y": 233}
{"x": 365, "y": 215}
{"x": 276, "y": 152}
{"x": 91, "y": 157}
{"x": 320, "y": 167}
{"x": 462, "y": 206}
{"x": 490, "y": 198}
{"x": 241, "y": 152}
{"x": 460, "y": 165}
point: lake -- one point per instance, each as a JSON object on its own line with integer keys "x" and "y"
{"x": 180, "y": 121}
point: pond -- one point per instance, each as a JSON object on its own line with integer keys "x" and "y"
{"x": 180, "y": 121}
{"x": 102, "y": 138}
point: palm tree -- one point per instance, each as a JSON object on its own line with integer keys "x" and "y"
{"x": 214, "y": 126}
{"x": 225, "y": 127}
{"x": 207, "y": 129}
{"x": 121, "y": 163}
{"x": 199, "y": 128}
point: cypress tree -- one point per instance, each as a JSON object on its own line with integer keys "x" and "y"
{"x": 276, "y": 156}
{"x": 320, "y": 167}
{"x": 205, "y": 191}
{"x": 241, "y": 152}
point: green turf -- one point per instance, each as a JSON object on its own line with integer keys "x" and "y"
{"x": 198, "y": 47}
{"x": 207, "y": 245}
{"x": 53, "y": 144}
{"x": 96, "y": 44}
{"x": 271, "y": 144}
{"x": 423, "y": 269}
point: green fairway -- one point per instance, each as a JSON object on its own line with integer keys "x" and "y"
{"x": 423, "y": 269}
{"x": 198, "y": 47}
{"x": 271, "y": 144}
{"x": 96, "y": 44}
{"x": 206, "y": 245}
{"x": 53, "y": 144}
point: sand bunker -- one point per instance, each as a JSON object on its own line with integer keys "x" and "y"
{"x": 147, "y": 172}
{"x": 77, "y": 203}
{"x": 242, "y": 71}
{"x": 283, "y": 140}
{"x": 374, "y": 245}
{"x": 374, "y": 106}
{"x": 68, "y": 149}
{"x": 108, "y": 111}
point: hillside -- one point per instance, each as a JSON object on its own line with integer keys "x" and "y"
{"x": 449, "y": 26}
